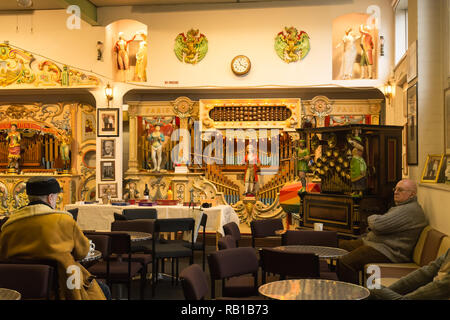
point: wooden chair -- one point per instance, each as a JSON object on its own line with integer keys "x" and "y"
{"x": 265, "y": 228}
{"x": 117, "y": 265}
{"x": 33, "y": 279}
{"x": 232, "y": 229}
{"x": 194, "y": 283}
{"x": 237, "y": 268}
{"x": 297, "y": 265}
{"x": 174, "y": 249}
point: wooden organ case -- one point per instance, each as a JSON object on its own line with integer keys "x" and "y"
{"x": 46, "y": 129}
{"x": 335, "y": 206}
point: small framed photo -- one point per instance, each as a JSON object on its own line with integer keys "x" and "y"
{"x": 412, "y": 62}
{"x": 447, "y": 119}
{"x": 108, "y": 148}
{"x": 108, "y": 122}
{"x": 412, "y": 140}
{"x": 446, "y": 168}
{"x": 107, "y": 169}
{"x": 432, "y": 169}
{"x": 105, "y": 188}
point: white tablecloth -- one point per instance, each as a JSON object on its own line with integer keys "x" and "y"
{"x": 100, "y": 217}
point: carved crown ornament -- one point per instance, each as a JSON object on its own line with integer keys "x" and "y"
{"x": 183, "y": 107}
{"x": 321, "y": 106}
{"x": 19, "y": 67}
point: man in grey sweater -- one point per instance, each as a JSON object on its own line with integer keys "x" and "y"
{"x": 429, "y": 282}
{"x": 391, "y": 238}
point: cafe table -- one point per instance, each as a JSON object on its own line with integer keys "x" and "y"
{"x": 92, "y": 256}
{"x": 321, "y": 251}
{"x": 313, "y": 289}
{"x": 9, "y": 294}
{"x": 136, "y": 236}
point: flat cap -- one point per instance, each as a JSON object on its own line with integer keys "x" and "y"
{"x": 40, "y": 186}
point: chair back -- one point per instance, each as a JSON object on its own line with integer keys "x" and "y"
{"x": 133, "y": 214}
{"x": 300, "y": 265}
{"x": 226, "y": 242}
{"x": 120, "y": 242}
{"x": 204, "y": 220}
{"x": 33, "y": 279}
{"x": 139, "y": 225}
{"x": 74, "y": 213}
{"x": 232, "y": 262}
{"x": 174, "y": 225}
{"x": 265, "y": 228}
{"x": 232, "y": 229}
{"x": 102, "y": 243}
{"x": 310, "y": 237}
{"x": 194, "y": 282}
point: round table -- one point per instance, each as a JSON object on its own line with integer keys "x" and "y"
{"x": 92, "y": 256}
{"x": 322, "y": 252}
{"x": 138, "y": 236}
{"x": 313, "y": 289}
{"x": 9, "y": 294}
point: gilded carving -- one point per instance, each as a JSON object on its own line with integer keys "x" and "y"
{"x": 18, "y": 67}
{"x": 183, "y": 107}
{"x": 15, "y": 66}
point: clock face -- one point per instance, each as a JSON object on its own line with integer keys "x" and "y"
{"x": 240, "y": 65}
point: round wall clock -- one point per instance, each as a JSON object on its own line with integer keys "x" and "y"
{"x": 240, "y": 65}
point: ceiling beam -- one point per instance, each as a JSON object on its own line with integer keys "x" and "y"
{"x": 88, "y": 10}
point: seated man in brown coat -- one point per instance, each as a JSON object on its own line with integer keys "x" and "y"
{"x": 391, "y": 238}
{"x": 38, "y": 231}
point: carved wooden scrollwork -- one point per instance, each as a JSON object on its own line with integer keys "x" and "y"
{"x": 249, "y": 210}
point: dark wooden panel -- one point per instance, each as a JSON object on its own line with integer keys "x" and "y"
{"x": 335, "y": 212}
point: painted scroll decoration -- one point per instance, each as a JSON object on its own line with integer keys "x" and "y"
{"x": 19, "y": 67}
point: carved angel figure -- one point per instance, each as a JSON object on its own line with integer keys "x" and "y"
{"x": 192, "y": 47}
{"x": 292, "y": 45}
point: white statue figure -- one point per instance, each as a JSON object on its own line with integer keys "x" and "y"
{"x": 156, "y": 139}
{"x": 251, "y": 172}
{"x": 141, "y": 58}
{"x": 349, "y": 55}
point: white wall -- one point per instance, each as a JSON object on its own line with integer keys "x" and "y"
{"x": 426, "y": 22}
{"x": 231, "y": 29}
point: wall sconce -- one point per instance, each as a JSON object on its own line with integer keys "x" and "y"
{"x": 388, "y": 91}
{"x": 381, "y": 46}
{"x": 109, "y": 93}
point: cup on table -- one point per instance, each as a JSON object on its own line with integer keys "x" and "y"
{"x": 132, "y": 201}
{"x": 318, "y": 226}
{"x": 91, "y": 247}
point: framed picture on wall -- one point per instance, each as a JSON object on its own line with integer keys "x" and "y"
{"x": 412, "y": 141}
{"x": 87, "y": 126}
{"x": 412, "y": 62}
{"x": 446, "y": 168}
{"x": 108, "y": 122}
{"x": 108, "y": 148}
{"x": 432, "y": 168}
{"x": 447, "y": 120}
{"x": 107, "y": 170}
{"x": 104, "y": 188}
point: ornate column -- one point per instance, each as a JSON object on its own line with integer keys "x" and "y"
{"x": 183, "y": 108}
{"x": 132, "y": 146}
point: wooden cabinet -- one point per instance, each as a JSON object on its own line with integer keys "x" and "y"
{"x": 337, "y": 206}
